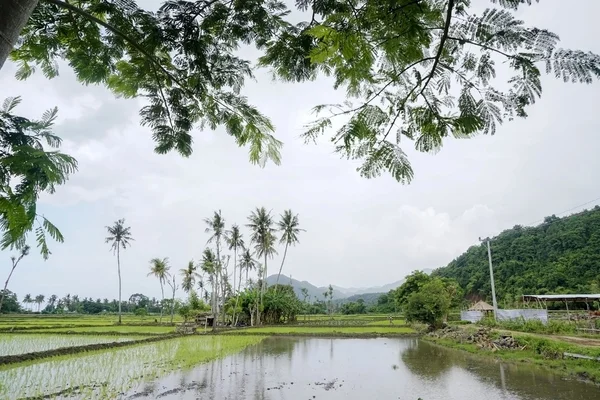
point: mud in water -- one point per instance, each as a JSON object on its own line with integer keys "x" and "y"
{"x": 405, "y": 368}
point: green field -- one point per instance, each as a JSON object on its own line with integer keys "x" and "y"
{"x": 26, "y": 320}
{"x": 121, "y": 368}
{"x": 135, "y": 329}
{"x": 13, "y": 344}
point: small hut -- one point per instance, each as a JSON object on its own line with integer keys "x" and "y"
{"x": 481, "y": 306}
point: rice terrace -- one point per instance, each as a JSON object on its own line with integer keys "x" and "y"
{"x": 299, "y": 200}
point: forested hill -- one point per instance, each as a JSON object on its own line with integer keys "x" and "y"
{"x": 561, "y": 255}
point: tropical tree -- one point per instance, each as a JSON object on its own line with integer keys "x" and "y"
{"x": 52, "y": 300}
{"x": 263, "y": 238}
{"x": 419, "y": 70}
{"x": 247, "y": 263}
{"x": 188, "y": 277}
{"x": 39, "y": 299}
{"x": 288, "y": 228}
{"x": 25, "y": 160}
{"x": 15, "y": 261}
{"x": 429, "y": 305}
{"x": 27, "y": 299}
{"x": 119, "y": 237}
{"x": 215, "y": 226}
{"x": 209, "y": 265}
{"x": 234, "y": 241}
{"x": 121, "y": 46}
{"x": 159, "y": 268}
{"x": 174, "y": 288}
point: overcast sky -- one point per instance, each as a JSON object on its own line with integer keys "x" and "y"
{"x": 359, "y": 232}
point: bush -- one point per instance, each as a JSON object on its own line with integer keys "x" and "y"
{"x": 429, "y": 305}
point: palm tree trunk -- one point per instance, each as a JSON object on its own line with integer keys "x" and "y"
{"x": 236, "y": 294}
{"x": 5, "y": 286}
{"x": 14, "y": 16}
{"x": 119, "y": 271}
{"x": 263, "y": 288}
{"x": 162, "y": 291}
{"x": 173, "y": 301}
{"x": 282, "y": 261}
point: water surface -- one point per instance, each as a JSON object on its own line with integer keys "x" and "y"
{"x": 403, "y": 368}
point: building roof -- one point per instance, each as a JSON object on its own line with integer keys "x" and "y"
{"x": 562, "y": 297}
{"x": 481, "y": 306}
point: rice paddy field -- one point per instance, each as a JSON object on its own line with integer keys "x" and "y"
{"x": 13, "y": 344}
{"x": 106, "y": 374}
{"x": 69, "y": 357}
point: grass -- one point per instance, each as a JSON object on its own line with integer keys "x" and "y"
{"x": 126, "y": 329}
{"x": 544, "y": 352}
{"x": 106, "y": 373}
{"x": 26, "y": 343}
{"x": 325, "y": 331}
{"x": 42, "y": 320}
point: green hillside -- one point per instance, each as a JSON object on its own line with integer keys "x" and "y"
{"x": 561, "y": 255}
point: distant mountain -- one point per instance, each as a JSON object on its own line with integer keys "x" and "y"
{"x": 338, "y": 291}
{"x": 314, "y": 292}
{"x": 369, "y": 298}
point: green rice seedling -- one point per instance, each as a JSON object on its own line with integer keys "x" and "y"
{"x": 105, "y": 374}
{"x": 29, "y": 343}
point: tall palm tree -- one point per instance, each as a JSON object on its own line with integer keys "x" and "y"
{"x": 234, "y": 241}
{"x": 119, "y": 237}
{"x": 15, "y": 261}
{"x": 52, "y": 300}
{"x": 39, "y": 299}
{"x": 27, "y": 299}
{"x": 288, "y": 227}
{"x": 263, "y": 238}
{"x": 247, "y": 263}
{"x": 189, "y": 276}
{"x": 209, "y": 266}
{"x": 159, "y": 268}
{"x": 216, "y": 227}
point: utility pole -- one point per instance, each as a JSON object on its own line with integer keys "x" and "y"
{"x": 495, "y": 303}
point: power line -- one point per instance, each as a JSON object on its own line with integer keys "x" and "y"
{"x": 566, "y": 211}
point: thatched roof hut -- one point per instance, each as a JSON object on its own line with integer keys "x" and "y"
{"x": 481, "y": 306}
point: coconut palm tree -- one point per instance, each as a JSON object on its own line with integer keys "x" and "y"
{"x": 209, "y": 266}
{"x": 263, "y": 238}
{"x": 15, "y": 261}
{"x": 288, "y": 227}
{"x": 119, "y": 237}
{"x": 234, "y": 241}
{"x": 159, "y": 268}
{"x": 247, "y": 263}
{"x": 216, "y": 228}
{"x": 39, "y": 299}
{"x": 27, "y": 299}
{"x": 189, "y": 276}
{"x": 52, "y": 300}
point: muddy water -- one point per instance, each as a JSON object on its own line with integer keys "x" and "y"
{"x": 407, "y": 369}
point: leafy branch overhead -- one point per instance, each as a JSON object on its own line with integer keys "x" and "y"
{"x": 182, "y": 59}
{"x": 27, "y": 170}
{"x": 424, "y": 70}
{"x": 418, "y": 70}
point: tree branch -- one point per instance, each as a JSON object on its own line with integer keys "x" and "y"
{"x": 442, "y": 42}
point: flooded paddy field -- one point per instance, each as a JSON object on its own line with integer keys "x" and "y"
{"x": 286, "y": 368}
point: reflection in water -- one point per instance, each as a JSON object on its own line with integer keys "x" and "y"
{"x": 426, "y": 360}
{"x": 298, "y": 369}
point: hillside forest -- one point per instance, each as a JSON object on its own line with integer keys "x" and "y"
{"x": 561, "y": 255}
